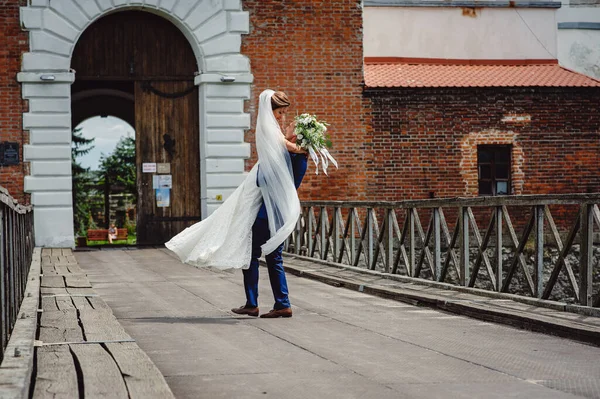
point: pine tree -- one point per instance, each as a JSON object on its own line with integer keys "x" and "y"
{"x": 81, "y": 181}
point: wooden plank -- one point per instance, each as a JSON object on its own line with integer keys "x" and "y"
{"x": 101, "y": 325}
{"x": 49, "y": 270}
{"x": 64, "y": 303}
{"x": 56, "y": 252}
{"x": 49, "y": 305}
{"x": 53, "y": 281}
{"x": 75, "y": 269}
{"x": 62, "y": 260}
{"x": 46, "y": 252}
{"x": 60, "y": 326}
{"x": 81, "y": 291}
{"x": 56, "y": 374}
{"x": 101, "y": 376}
{"x": 61, "y": 269}
{"x": 53, "y": 291}
{"x": 97, "y": 303}
{"x": 77, "y": 281}
{"x": 142, "y": 377}
{"x": 46, "y": 260}
{"x": 82, "y": 303}
{"x": 71, "y": 259}
{"x": 67, "y": 252}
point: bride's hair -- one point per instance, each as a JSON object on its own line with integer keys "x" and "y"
{"x": 279, "y": 100}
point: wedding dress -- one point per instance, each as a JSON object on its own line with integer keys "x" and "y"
{"x": 224, "y": 239}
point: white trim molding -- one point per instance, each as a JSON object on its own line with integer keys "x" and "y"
{"x": 213, "y": 29}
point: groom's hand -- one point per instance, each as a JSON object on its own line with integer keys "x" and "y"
{"x": 289, "y": 132}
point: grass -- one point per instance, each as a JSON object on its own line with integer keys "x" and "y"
{"x": 131, "y": 240}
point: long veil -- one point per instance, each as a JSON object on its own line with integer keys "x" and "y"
{"x": 275, "y": 175}
{"x": 224, "y": 239}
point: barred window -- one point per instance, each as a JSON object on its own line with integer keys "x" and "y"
{"x": 493, "y": 164}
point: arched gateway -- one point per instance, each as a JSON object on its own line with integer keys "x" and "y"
{"x": 209, "y": 128}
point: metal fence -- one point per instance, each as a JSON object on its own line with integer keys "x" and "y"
{"x": 16, "y": 249}
{"x": 524, "y": 250}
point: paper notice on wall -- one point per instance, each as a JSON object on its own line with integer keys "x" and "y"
{"x": 149, "y": 167}
{"x": 162, "y": 181}
{"x": 163, "y": 168}
{"x": 163, "y": 197}
{"x": 165, "y": 181}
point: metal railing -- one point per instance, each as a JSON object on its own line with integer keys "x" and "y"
{"x": 16, "y": 249}
{"x": 559, "y": 263}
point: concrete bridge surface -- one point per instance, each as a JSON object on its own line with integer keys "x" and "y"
{"x": 338, "y": 344}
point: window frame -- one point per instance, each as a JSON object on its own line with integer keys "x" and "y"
{"x": 494, "y": 149}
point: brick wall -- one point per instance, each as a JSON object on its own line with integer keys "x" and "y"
{"x": 14, "y": 44}
{"x": 424, "y": 141}
{"x": 312, "y": 50}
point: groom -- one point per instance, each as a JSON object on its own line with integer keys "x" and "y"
{"x": 261, "y": 233}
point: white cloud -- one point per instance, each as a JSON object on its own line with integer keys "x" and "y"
{"x": 106, "y": 132}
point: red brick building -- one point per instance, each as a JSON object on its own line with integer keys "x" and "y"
{"x": 447, "y": 130}
{"x": 313, "y": 51}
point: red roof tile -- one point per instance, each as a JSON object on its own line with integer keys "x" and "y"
{"x": 399, "y": 74}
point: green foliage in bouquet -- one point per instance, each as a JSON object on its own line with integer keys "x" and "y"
{"x": 311, "y": 132}
{"x": 311, "y": 135}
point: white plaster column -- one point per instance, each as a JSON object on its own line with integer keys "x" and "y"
{"x": 213, "y": 29}
{"x": 49, "y": 154}
{"x": 222, "y": 126}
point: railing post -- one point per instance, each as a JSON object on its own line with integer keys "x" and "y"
{"x": 371, "y": 262}
{"x": 585, "y": 267}
{"x": 464, "y": 246}
{"x": 336, "y": 233}
{"x": 309, "y": 234}
{"x": 499, "y": 277}
{"x": 298, "y": 235}
{"x": 323, "y": 228}
{"x": 3, "y": 297}
{"x": 411, "y": 238}
{"x": 539, "y": 251}
{"x": 389, "y": 239}
{"x": 352, "y": 236}
{"x": 437, "y": 246}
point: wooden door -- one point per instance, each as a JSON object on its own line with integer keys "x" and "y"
{"x": 145, "y": 52}
{"x": 167, "y": 134}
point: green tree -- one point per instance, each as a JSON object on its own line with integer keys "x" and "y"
{"x": 81, "y": 180}
{"x": 119, "y": 169}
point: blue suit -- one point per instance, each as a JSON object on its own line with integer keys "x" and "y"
{"x": 260, "y": 235}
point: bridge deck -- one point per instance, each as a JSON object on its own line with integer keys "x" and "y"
{"x": 339, "y": 344}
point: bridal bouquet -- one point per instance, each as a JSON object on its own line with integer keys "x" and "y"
{"x": 310, "y": 134}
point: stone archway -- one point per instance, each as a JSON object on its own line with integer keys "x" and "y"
{"x": 214, "y": 30}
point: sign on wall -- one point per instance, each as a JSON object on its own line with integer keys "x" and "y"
{"x": 9, "y": 153}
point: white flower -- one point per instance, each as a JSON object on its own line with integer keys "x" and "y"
{"x": 300, "y": 136}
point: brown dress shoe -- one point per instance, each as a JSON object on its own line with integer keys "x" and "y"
{"x": 246, "y": 310}
{"x": 286, "y": 312}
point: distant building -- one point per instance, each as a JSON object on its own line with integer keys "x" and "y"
{"x": 468, "y": 101}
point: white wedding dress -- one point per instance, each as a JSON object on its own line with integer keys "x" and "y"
{"x": 224, "y": 239}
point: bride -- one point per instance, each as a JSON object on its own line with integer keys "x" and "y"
{"x": 224, "y": 239}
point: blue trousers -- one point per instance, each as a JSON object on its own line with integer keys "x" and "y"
{"x": 260, "y": 235}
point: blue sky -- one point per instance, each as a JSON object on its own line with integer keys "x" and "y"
{"x": 107, "y": 132}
